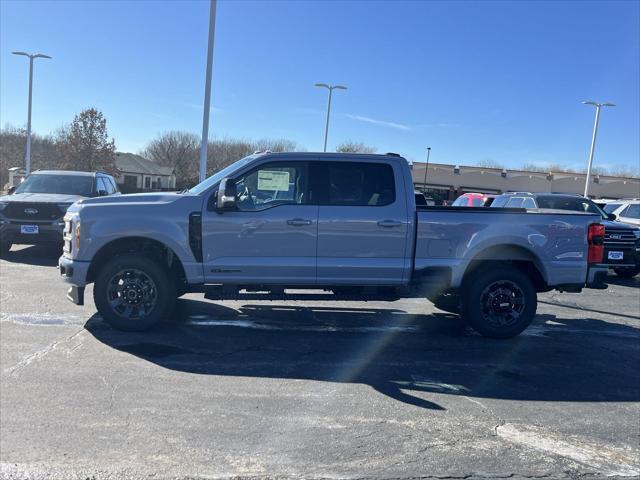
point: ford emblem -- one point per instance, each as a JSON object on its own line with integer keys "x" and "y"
{"x": 30, "y": 211}
{"x": 613, "y": 237}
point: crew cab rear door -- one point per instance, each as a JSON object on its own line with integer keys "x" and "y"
{"x": 362, "y": 223}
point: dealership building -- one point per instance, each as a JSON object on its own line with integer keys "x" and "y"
{"x": 447, "y": 182}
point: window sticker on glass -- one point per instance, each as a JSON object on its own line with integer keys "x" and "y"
{"x": 273, "y": 180}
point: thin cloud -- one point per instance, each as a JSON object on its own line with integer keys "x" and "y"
{"x": 438, "y": 125}
{"x": 382, "y": 123}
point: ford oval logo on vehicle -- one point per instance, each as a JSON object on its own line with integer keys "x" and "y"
{"x": 615, "y": 237}
{"x": 30, "y": 211}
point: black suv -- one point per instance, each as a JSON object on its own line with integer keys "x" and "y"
{"x": 33, "y": 213}
{"x": 621, "y": 240}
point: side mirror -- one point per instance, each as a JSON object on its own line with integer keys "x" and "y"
{"x": 226, "y": 195}
{"x": 612, "y": 216}
{"x": 102, "y": 193}
{"x": 11, "y": 189}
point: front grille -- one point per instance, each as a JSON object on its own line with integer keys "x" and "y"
{"x": 32, "y": 211}
{"x": 618, "y": 237}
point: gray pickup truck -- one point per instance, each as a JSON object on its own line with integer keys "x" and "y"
{"x": 337, "y": 226}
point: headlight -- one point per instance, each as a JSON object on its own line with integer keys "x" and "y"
{"x": 64, "y": 206}
{"x": 636, "y": 232}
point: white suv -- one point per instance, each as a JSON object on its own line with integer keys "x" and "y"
{"x": 627, "y": 211}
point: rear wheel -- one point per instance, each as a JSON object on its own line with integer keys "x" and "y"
{"x": 627, "y": 272}
{"x": 134, "y": 293}
{"x": 499, "y": 302}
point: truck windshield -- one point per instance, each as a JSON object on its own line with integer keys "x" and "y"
{"x": 219, "y": 175}
{"x": 62, "y": 184}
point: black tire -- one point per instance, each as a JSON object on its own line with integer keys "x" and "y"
{"x": 499, "y": 302}
{"x": 627, "y": 272}
{"x": 134, "y": 293}
{"x": 448, "y": 302}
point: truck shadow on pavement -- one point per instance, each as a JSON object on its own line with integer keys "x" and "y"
{"x": 413, "y": 358}
{"x": 37, "y": 255}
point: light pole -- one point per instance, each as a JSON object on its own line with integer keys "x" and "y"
{"x": 593, "y": 140}
{"x": 426, "y": 169}
{"x": 207, "y": 93}
{"x": 27, "y": 154}
{"x": 331, "y": 88}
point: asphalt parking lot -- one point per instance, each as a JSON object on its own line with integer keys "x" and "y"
{"x": 313, "y": 390}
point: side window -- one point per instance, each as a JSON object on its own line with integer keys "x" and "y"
{"x": 514, "y": 202}
{"x": 528, "y": 203}
{"x": 632, "y": 211}
{"x": 100, "y": 186}
{"x": 272, "y": 184}
{"x": 477, "y": 202}
{"x": 499, "y": 202}
{"x": 113, "y": 184}
{"x": 460, "y": 201}
{"x": 361, "y": 184}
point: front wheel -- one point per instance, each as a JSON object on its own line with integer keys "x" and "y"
{"x": 134, "y": 293}
{"x": 627, "y": 272}
{"x": 499, "y": 302}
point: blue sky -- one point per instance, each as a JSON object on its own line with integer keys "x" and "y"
{"x": 476, "y": 81}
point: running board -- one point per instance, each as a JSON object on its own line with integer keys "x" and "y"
{"x": 282, "y": 295}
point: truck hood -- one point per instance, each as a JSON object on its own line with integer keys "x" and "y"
{"x": 41, "y": 198}
{"x": 618, "y": 225}
{"x": 134, "y": 198}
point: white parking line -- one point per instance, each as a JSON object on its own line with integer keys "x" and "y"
{"x": 605, "y": 459}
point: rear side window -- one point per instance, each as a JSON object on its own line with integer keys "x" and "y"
{"x": 360, "y": 184}
{"x": 632, "y": 211}
{"x": 101, "y": 186}
{"x": 477, "y": 202}
{"x": 500, "y": 201}
{"x": 514, "y": 202}
{"x": 460, "y": 202}
{"x": 611, "y": 207}
{"x": 528, "y": 203}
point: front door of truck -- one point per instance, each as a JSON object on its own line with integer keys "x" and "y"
{"x": 272, "y": 236}
{"x": 362, "y": 224}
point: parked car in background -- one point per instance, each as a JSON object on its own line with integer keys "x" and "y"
{"x": 33, "y": 212}
{"x": 621, "y": 241}
{"x": 473, "y": 200}
{"x": 627, "y": 211}
{"x": 346, "y": 224}
{"x": 423, "y": 200}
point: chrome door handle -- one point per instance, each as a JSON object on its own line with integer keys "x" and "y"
{"x": 389, "y": 223}
{"x": 298, "y": 222}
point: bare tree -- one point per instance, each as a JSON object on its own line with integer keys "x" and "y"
{"x": 349, "y": 146}
{"x": 178, "y": 150}
{"x": 489, "y": 163}
{"x": 85, "y": 144}
{"x": 44, "y": 153}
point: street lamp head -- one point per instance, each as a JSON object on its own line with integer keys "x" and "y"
{"x": 324, "y": 85}
{"x": 429, "y": 148}
{"x": 339, "y": 87}
{"x": 596, "y": 104}
{"x": 37, "y": 55}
